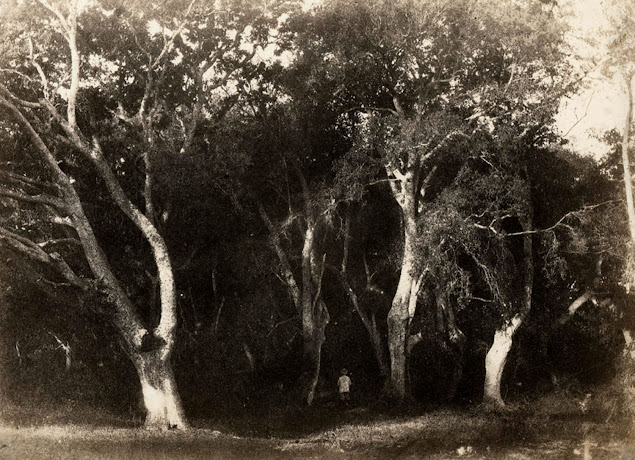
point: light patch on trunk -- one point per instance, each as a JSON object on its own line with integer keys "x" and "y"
{"x": 154, "y": 400}
{"x": 162, "y": 406}
{"x": 496, "y": 359}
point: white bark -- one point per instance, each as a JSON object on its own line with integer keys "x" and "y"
{"x": 160, "y": 396}
{"x": 626, "y": 160}
{"x": 496, "y": 359}
{"x": 403, "y": 302}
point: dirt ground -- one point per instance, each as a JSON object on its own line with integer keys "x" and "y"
{"x": 441, "y": 434}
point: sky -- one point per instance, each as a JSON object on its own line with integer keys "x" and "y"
{"x": 601, "y": 104}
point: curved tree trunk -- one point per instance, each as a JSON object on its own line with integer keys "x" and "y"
{"x": 307, "y": 299}
{"x": 140, "y": 343}
{"x": 497, "y": 355}
{"x": 315, "y": 315}
{"x": 495, "y": 362}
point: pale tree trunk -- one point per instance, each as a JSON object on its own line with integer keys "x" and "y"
{"x": 158, "y": 387}
{"x": 403, "y": 303}
{"x": 312, "y": 361}
{"x": 628, "y": 186}
{"x": 149, "y": 350}
{"x": 399, "y": 315}
{"x": 628, "y": 359}
{"x": 495, "y": 362}
{"x": 315, "y": 315}
{"x": 496, "y": 357}
{"x": 408, "y": 178}
{"x": 307, "y": 299}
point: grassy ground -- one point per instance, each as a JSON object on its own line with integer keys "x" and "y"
{"x": 530, "y": 431}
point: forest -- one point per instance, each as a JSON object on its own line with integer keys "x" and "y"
{"x": 211, "y": 210}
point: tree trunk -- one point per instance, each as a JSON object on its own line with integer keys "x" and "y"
{"x": 312, "y": 359}
{"x": 158, "y": 387}
{"x": 140, "y": 343}
{"x": 497, "y": 355}
{"x": 369, "y": 322}
{"x": 378, "y": 347}
{"x": 626, "y": 160}
{"x": 401, "y": 312}
{"x": 629, "y": 276}
{"x": 313, "y": 313}
{"x": 495, "y": 362}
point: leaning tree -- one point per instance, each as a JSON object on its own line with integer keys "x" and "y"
{"x": 88, "y": 87}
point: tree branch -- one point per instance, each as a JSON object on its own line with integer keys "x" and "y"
{"x": 441, "y": 144}
{"x": 289, "y": 278}
{"x": 559, "y": 223}
{"x": 36, "y": 199}
{"x": 58, "y": 14}
{"x": 34, "y": 251}
{"x": 13, "y": 98}
{"x": 28, "y": 181}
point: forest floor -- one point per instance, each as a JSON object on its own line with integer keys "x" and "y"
{"x": 529, "y": 431}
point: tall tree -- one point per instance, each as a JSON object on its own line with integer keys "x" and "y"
{"x": 78, "y": 89}
{"x": 419, "y": 75}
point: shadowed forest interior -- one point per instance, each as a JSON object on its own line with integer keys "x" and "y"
{"x": 208, "y": 210}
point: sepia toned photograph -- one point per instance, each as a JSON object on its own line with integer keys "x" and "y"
{"x": 306, "y": 229}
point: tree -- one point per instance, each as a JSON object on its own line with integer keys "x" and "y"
{"x": 419, "y": 77}
{"x": 309, "y": 208}
{"x": 99, "y": 82}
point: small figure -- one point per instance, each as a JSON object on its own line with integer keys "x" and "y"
{"x": 344, "y": 386}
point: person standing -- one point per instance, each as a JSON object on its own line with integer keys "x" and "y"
{"x": 344, "y": 386}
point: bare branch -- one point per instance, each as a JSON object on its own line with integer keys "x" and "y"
{"x": 58, "y": 14}
{"x": 168, "y": 44}
{"x": 370, "y": 287}
{"x": 579, "y": 119}
{"x": 559, "y": 223}
{"x": 34, "y": 251}
{"x": 450, "y": 136}
{"x": 40, "y": 71}
{"x": 28, "y": 181}
{"x": 57, "y": 241}
{"x": 289, "y": 278}
{"x": 35, "y": 199}
{"x": 13, "y": 98}
{"x": 317, "y": 297}
{"x": 20, "y": 74}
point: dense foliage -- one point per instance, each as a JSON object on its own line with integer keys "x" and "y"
{"x": 274, "y": 150}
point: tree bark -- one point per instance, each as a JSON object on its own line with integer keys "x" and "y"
{"x": 400, "y": 312}
{"x": 158, "y": 387}
{"x": 311, "y": 308}
{"x": 150, "y": 351}
{"x": 628, "y": 185}
{"x": 495, "y": 362}
{"x": 497, "y": 355}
